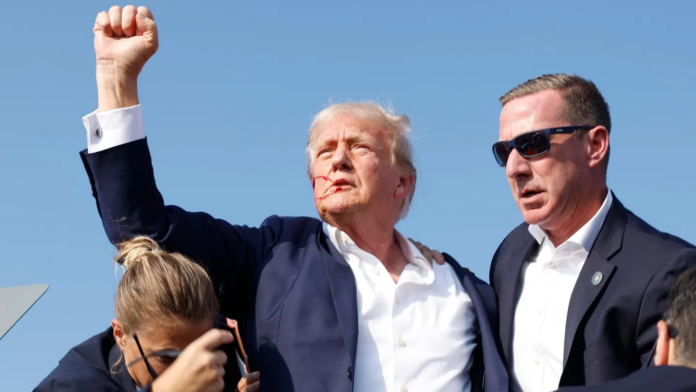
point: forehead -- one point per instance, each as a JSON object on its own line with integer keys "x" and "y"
{"x": 175, "y": 335}
{"x": 349, "y": 127}
{"x": 541, "y": 110}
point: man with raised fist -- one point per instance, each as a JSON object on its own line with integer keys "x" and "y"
{"x": 344, "y": 303}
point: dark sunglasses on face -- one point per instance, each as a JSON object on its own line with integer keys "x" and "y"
{"x": 531, "y": 144}
{"x": 166, "y": 356}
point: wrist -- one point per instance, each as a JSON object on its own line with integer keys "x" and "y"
{"x": 116, "y": 89}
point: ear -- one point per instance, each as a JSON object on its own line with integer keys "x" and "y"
{"x": 598, "y": 145}
{"x": 119, "y": 334}
{"x": 662, "y": 344}
{"x": 406, "y": 184}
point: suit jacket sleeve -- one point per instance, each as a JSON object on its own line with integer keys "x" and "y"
{"x": 77, "y": 384}
{"x": 130, "y": 204}
{"x": 655, "y": 302}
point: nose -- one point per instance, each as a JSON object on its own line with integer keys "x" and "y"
{"x": 517, "y": 166}
{"x": 341, "y": 159}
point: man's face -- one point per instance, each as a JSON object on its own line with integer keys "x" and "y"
{"x": 545, "y": 188}
{"x": 353, "y": 169}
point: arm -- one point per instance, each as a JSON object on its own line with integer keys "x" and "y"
{"x": 655, "y": 302}
{"x": 122, "y": 175}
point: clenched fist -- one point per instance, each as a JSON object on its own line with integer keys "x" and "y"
{"x": 124, "y": 39}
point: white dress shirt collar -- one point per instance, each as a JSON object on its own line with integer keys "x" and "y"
{"x": 344, "y": 244}
{"x": 586, "y": 236}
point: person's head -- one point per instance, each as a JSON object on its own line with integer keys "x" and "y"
{"x": 164, "y": 299}
{"x": 676, "y": 340}
{"x": 360, "y": 161}
{"x": 549, "y": 188}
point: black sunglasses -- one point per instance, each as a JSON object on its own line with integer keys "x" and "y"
{"x": 167, "y": 355}
{"x": 531, "y": 144}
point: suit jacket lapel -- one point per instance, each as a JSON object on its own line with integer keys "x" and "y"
{"x": 508, "y": 292}
{"x": 484, "y": 300}
{"x": 343, "y": 290}
{"x": 586, "y": 290}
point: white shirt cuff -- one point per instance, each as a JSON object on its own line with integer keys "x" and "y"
{"x": 113, "y": 128}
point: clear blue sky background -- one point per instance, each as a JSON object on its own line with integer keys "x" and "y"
{"x": 229, "y": 97}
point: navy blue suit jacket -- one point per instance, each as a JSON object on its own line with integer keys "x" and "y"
{"x": 611, "y": 327}
{"x": 656, "y": 378}
{"x": 292, "y": 293}
{"x": 88, "y": 368}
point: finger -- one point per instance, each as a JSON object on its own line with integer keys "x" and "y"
{"x": 213, "y": 339}
{"x": 115, "y": 16}
{"x": 255, "y": 387}
{"x": 242, "y": 384}
{"x": 416, "y": 243}
{"x": 426, "y": 253}
{"x": 439, "y": 258}
{"x": 144, "y": 11}
{"x": 128, "y": 21}
{"x": 253, "y": 377}
{"x": 146, "y": 26}
{"x": 103, "y": 24}
{"x": 219, "y": 358}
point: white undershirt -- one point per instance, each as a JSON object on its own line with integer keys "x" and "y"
{"x": 418, "y": 334}
{"x": 540, "y": 318}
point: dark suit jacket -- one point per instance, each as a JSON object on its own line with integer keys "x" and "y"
{"x": 292, "y": 293}
{"x": 653, "y": 379}
{"x": 88, "y": 368}
{"x": 611, "y": 327}
{"x": 96, "y": 366}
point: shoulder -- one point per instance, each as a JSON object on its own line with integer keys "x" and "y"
{"x": 653, "y": 247}
{"x": 84, "y": 363}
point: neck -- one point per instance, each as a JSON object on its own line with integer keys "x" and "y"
{"x": 375, "y": 236}
{"x": 586, "y": 207}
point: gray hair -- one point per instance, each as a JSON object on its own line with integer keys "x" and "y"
{"x": 397, "y": 126}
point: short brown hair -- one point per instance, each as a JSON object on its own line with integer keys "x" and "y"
{"x": 585, "y": 105}
{"x": 681, "y": 314}
{"x": 160, "y": 287}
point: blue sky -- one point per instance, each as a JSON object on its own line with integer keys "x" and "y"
{"x": 230, "y": 94}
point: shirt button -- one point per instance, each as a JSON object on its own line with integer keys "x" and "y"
{"x": 539, "y": 312}
{"x": 404, "y": 389}
{"x": 344, "y": 239}
{"x": 396, "y": 301}
{"x": 377, "y": 271}
{"x": 552, "y": 265}
{"x": 98, "y": 132}
{"x": 402, "y": 343}
{"x": 536, "y": 361}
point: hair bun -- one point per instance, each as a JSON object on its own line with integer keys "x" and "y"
{"x": 132, "y": 252}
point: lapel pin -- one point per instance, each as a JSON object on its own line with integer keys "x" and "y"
{"x": 597, "y": 278}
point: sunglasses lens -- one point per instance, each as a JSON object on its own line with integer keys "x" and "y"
{"x": 501, "y": 153}
{"x": 532, "y": 144}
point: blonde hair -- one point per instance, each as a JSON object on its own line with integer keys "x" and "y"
{"x": 160, "y": 287}
{"x": 397, "y": 126}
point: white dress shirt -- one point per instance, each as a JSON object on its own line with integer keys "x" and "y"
{"x": 417, "y": 334}
{"x": 540, "y": 318}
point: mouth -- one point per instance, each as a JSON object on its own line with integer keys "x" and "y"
{"x": 340, "y": 182}
{"x": 530, "y": 194}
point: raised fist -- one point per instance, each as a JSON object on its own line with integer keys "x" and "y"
{"x": 124, "y": 39}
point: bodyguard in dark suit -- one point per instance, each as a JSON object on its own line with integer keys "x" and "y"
{"x": 339, "y": 304}
{"x": 675, "y": 350}
{"x": 582, "y": 283}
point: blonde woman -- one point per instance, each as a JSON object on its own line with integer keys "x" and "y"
{"x": 163, "y": 337}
